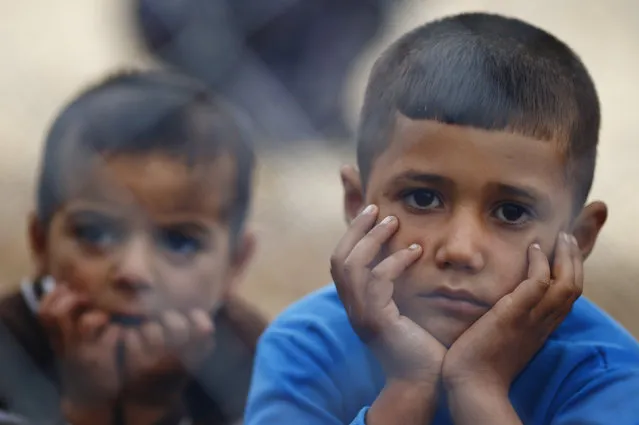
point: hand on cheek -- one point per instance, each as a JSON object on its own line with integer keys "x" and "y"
{"x": 500, "y": 344}
{"x": 160, "y": 353}
{"x": 84, "y": 343}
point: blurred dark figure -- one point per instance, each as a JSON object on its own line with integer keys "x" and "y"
{"x": 285, "y": 62}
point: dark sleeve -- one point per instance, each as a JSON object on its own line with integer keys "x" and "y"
{"x": 221, "y": 387}
{"x": 26, "y": 389}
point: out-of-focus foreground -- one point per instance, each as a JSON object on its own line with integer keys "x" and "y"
{"x": 51, "y": 49}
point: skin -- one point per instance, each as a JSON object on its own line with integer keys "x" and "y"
{"x": 143, "y": 237}
{"x": 485, "y": 216}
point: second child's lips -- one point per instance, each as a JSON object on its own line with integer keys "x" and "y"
{"x": 128, "y": 320}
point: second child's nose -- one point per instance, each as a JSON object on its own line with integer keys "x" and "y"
{"x": 134, "y": 272}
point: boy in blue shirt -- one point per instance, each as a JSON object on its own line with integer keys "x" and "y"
{"x": 457, "y": 285}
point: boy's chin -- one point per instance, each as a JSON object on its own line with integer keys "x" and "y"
{"x": 444, "y": 329}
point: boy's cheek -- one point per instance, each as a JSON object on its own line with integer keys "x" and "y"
{"x": 424, "y": 234}
{"x": 85, "y": 278}
{"x": 194, "y": 286}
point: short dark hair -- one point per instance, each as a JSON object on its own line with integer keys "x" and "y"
{"x": 141, "y": 112}
{"x": 489, "y": 72}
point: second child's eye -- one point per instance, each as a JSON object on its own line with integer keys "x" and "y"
{"x": 178, "y": 242}
{"x": 423, "y": 199}
{"x": 96, "y": 235}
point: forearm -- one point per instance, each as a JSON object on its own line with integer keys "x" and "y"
{"x": 405, "y": 403}
{"x": 132, "y": 415}
{"x": 77, "y": 414}
{"x": 161, "y": 415}
{"x": 481, "y": 405}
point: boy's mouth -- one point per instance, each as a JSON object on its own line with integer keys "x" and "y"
{"x": 456, "y": 302}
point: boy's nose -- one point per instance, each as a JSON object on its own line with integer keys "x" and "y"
{"x": 134, "y": 271}
{"x": 460, "y": 245}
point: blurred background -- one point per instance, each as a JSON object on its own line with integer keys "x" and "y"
{"x": 51, "y": 50}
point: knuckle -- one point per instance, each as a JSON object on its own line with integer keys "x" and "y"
{"x": 505, "y": 303}
{"x": 544, "y": 282}
{"x": 566, "y": 292}
{"x": 506, "y": 309}
{"x": 577, "y": 288}
{"x": 347, "y": 268}
{"x": 335, "y": 261}
{"x": 376, "y": 274}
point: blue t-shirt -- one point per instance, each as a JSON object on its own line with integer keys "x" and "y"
{"x": 312, "y": 369}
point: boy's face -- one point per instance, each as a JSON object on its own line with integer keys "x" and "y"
{"x": 475, "y": 201}
{"x": 143, "y": 233}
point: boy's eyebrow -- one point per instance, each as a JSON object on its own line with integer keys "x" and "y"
{"x": 523, "y": 192}
{"x": 89, "y": 211}
{"x": 188, "y": 227}
{"x": 414, "y": 175}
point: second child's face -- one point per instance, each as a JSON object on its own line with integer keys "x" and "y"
{"x": 141, "y": 234}
{"x": 475, "y": 201}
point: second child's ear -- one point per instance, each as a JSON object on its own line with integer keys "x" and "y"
{"x": 353, "y": 193}
{"x": 37, "y": 244}
{"x": 242, "y": 256}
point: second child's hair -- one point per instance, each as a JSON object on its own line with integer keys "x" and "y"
{"x": 139, "y": 113}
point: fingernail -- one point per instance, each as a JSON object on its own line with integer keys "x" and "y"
{"x": 388, "y": 220}
{"x": 368, "y": 210}
{"x": 574, "y": 240}
{"x": 48, "y": 284}
{"x": 414, "y": 247}
{"x": 535, "y": 246}
{"x": 565, "y": 237}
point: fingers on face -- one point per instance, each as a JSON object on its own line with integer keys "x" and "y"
{"x": 202, "y": 324}
{"x": 110, "y": 336}
{"x": 91, "y": 325}
{"x": 394, "y": 265}
{"x": 202, "y": 341}
{"x": 363, "y": 285}
{"x": 359, "y": 227}
{"x": 534, "y": 288}
{"x": 349, "y": 265}
{"x": 177, "y": 329}
{"x": 359, "y": 248}
{"x": 137, "y": 355}
{"x": 152, "y": 333}
{"x": 568, "y": 277}
{"x": 61, "y": 310}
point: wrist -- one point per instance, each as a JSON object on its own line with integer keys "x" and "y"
{"x": 404, "y": 401}
{"x": 475, "y": 384}
{"x": 480, "y": 402}
{"x": 155, "y": 392}
{"x": 86, "y": 414}
{"x": 169, "y": 414}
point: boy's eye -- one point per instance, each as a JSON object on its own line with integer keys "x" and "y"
{"x": 513, "y": 213}
{"x": 99, "y": 235}
{"x": 423, "y": 199}
{"x": 178, "y": 242}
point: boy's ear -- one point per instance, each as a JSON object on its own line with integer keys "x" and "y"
{"x": 588, "y": 224}
{"x": 353, "y": 193}
{"x": 37, "y": 236}
{"x": 241, "y": 257}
